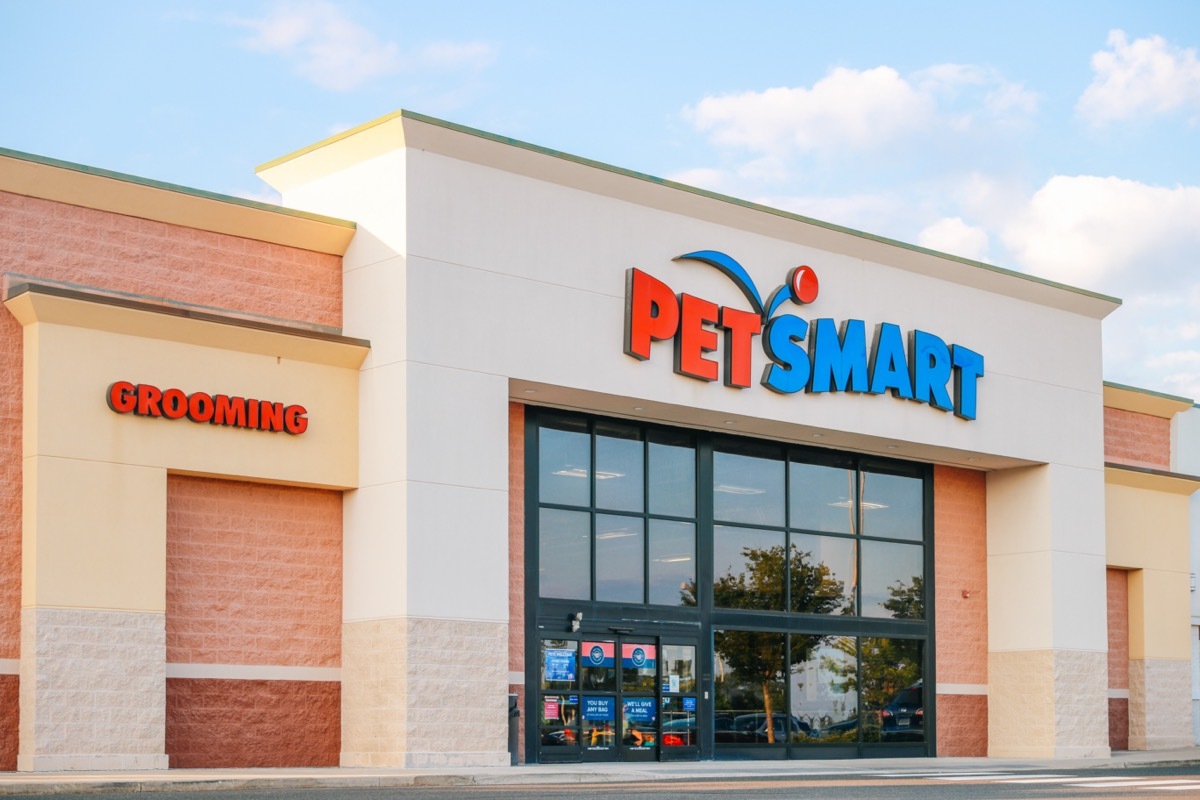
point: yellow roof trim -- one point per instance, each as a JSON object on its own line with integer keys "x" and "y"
{"x": 1144, "y": 401}
{"x": 40, "y": 303}
{"x": 1153, "y": 479}
{"x": 88, "y": 187}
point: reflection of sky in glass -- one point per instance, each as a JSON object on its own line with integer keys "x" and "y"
{"x": 619, "y": 462}
{"x": 564, "y": 554}
{"x": 747, "y": 489}
{"x": 620, "y": 557}
{"x": 672, "y": 561}
{"x": 672, "y": 480}
{"x": 822, "y": 498}
{"x": 884, "y": 566}
{"x": 564, "y": 465}
{"x": 893, "y": 506}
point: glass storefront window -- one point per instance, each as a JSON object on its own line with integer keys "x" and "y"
{"x": 619, "y": 467}
{"x": 893, "y": 506}
{"x": 748, "y": 568}
{"x": 639, "y": 722}
{"x": 893, "y": 583}
{"x": 747, "y": 487}
{"x": 822, "y": 574}
{"x": 748, "y": 705}
{"x": 679, "y": 722}
{"x": 893, "y": 690}
{"x": 789, "y": 540}
{"x": 639, "y": 667}
{"x": 599, "y": 722}
{"x": 564, "y": 554}
{"x": 821, "y": 498}
{"x": 599, "y": 666}
{"x": 564, "y": 462}
{"x": 559, "y": 722}
{"x": 558, "y": 664}
{"x": 672, "y": 563}
{"x": 824, "y": 694}
{"x": 672, "y": 474}
{"x": 620, "y": 554}
{"x": 679, "y": 668}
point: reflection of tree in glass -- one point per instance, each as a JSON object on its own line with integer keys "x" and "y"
{"x": 757, "y": 656}
{"x": 907, "y": 601}
{"x": 888, "y": 665}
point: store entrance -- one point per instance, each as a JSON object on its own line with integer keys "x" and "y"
{"x": 631, "y": 698}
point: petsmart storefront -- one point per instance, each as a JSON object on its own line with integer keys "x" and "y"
{"x": 468, "y": 420}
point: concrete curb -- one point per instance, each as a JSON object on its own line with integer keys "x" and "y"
{"x": 38, "y": 784}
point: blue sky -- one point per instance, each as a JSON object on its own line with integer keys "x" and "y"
{"x": 1056, "y": 138}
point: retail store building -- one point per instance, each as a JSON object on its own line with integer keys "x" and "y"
{"x": 689, "y": 477}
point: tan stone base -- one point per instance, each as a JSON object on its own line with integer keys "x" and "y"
{"x": 420, "y": 692}
{"x": 1160, "y": 692}
{"x": 1048, "y": 704}
{"x": 92, "y": 690}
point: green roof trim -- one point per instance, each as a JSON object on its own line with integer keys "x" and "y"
{"x": 587, "y": 162}
{"x": 1150, "y": 392}
{"x": 174, "y": 187}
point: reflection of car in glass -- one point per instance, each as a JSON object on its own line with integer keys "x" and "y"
{"x": 903, "y": 719}
{"x": 679, "y": 733}
{"x": 752, "y": 728}
{"x": 564, "y": 737}
{"x": 845, "y": 731}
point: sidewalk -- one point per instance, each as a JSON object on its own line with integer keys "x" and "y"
{"x": 15, "y": 783}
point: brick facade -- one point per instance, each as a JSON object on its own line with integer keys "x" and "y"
{"x": 254, "y": 574}
{"x": 516, "y": 559}
{"x": 254, "y": 577}
{"x": 231, "y": 723}
{"x": 960, "y": 580}
{"x": 1137, "y": 440}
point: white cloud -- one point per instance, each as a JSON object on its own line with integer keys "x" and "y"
{"x": 334, "y": 52}
{"x": 845, "y": 109}
{"x": 1117, "y": 236}
{"x": 1146, "y": 76}
{"x": 952, "y": 235}
{"x": 855, "y": 110}
{"x": 1132, "y": 240}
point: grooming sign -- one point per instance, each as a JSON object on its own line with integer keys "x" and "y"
{"x": 806, "y": 355}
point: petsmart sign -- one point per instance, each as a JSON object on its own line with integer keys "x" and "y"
{"x": 806, "y": 356}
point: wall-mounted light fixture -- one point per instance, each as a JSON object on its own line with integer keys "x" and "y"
{"x": 576, "y": 621}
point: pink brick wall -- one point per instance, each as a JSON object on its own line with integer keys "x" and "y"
{"x": 516, "y": 557}
{"x": 1118, "y": 657}
{"x": 59, "y": 242}
{"x": 53, "y": 240}
{"x": 9, "y": 697}
{"x": 1118, "y": 629}
{"x": 1138, "y": 440}
{"x": 228, "y": 723}
{"x": 960, "y": 565}
{"x": 254, "y": 574}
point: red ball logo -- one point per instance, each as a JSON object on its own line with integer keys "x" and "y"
{"x": 803, "y": 284}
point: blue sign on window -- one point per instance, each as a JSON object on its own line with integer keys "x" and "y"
{"x": 689, "y": 704}
{"x": 640, "y": 709}
{"x": 560, "y": 665}
{"x": 600, "y": 709}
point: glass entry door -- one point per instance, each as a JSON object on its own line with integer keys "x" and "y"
{"x": 632, "y": 698}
